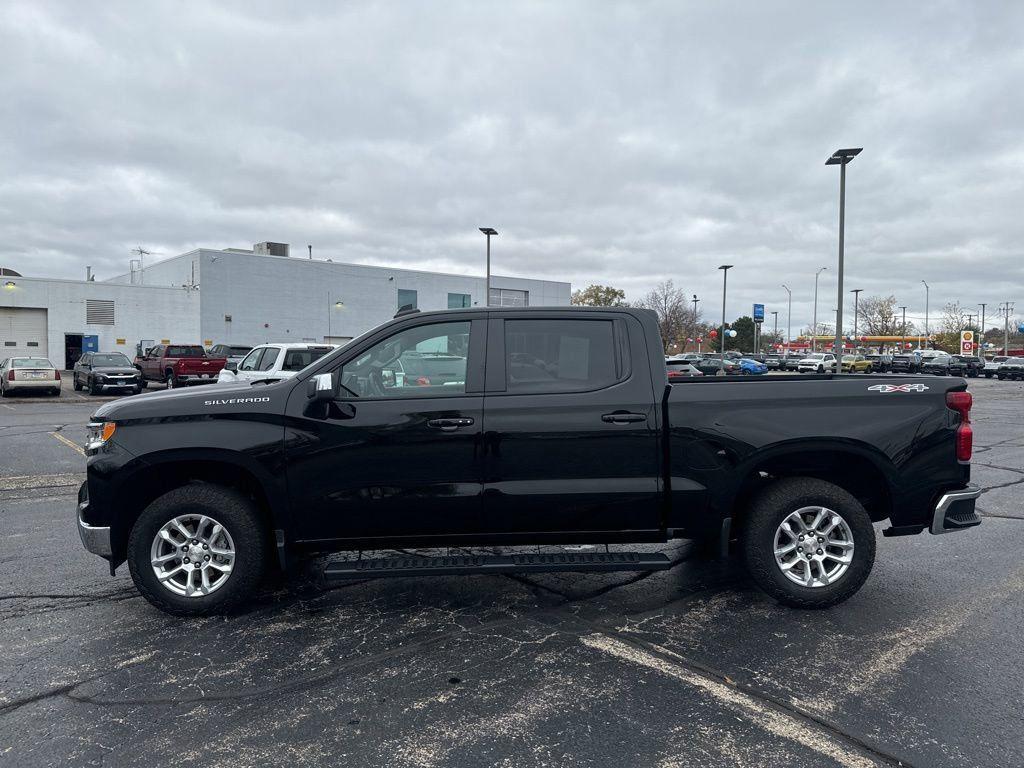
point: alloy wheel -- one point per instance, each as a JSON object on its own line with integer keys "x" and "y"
{"x": 192, "y": 555}
{"x": 814, "y": 546}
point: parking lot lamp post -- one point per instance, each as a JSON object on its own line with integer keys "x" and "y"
{"x": 927, "y": 292}
{"x": 725, "y": 278}
{"x": 789, "y": 318}
{"x": 903, "y": 331}
{"x": 981, "y": 333}
{"x": 330, "y": 310}
{"x": 488, "y": 231}
{"x": 814, "y": 326}
{"x": 695, "y": 300}
{"x": 775, "y": 333}
{"x": 842, "y": 158}
{"x": 856, "y": 300}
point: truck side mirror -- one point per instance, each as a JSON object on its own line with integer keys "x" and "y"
{"x": 320, "y": 388}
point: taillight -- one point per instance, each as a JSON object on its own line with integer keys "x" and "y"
{"x": 57, "y": 374}
{"x": 961, "y": 402}
{"x": 10, "y": 375}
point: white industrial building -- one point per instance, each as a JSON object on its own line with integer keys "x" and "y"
{"x": 234, "y": 296}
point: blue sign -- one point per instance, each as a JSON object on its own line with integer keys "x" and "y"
{"x": 1020, "y": 328}
{"x": 758, "y": 313}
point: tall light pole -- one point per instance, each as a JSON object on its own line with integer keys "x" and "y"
{"x": 927, "y": 296}
{"x": 814, "y": 328}
{"x": 789, "y": 319}
{"x": 981, "y": 339}
{"x": 856, "y": 307}
{"x": 695, "y": 300}
{"x": 488, "y": 231}
{"x": 842, "y": 158}
{"x": 775, "y": 333}
{"x": 725, "y": 278}
{"x": 903, "y": 331}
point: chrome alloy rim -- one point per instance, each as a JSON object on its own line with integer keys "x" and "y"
{"x": 814, "y": 546}
{"x": 192, "y": 555}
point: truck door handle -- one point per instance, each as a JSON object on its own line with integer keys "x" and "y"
{"x": 450, "y": 425}
{"x": 623, "y": 418}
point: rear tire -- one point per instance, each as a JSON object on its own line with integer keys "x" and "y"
{"x": 227, "y": 508}
{"x": 172, "y": 380}
{"x": 775, "y": 506}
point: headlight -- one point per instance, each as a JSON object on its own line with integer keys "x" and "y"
{"x": 98, "y": 433}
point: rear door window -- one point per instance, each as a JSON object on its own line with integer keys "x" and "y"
{"x": 297, "y": 359}
{"x": 560, "y": 355}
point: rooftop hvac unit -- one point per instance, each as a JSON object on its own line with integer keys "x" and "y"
{"x": 271, "y": 249}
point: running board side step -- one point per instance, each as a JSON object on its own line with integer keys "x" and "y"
{"x": 456, "y": 565}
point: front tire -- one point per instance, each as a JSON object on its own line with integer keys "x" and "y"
{"x": 74, "y": 383}
{"x": 198, "y": 550}
{"x": 808, "y": 543}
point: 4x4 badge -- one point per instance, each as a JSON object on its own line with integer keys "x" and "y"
{"x": 898, "y": 388}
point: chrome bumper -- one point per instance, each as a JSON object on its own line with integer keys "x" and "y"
{"x": 955, "y": 510}
{"x": 94, "y": 538}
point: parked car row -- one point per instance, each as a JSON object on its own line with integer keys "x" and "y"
{"x": 713, "y": 364}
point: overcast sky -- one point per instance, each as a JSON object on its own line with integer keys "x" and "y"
{"x": 621, "y": 144}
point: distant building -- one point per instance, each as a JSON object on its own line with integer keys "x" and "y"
{"x": 235, "y": 296}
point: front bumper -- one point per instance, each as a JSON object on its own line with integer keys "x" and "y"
{"x": 132, "y": 383}
{"x": 955, "y": 510}
{"x": 96, "y": 539}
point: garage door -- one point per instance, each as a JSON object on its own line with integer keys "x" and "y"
{"x": 22, "y": 332}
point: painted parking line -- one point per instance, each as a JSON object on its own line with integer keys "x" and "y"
{"x": 8, "y": 407}
{"x": 773, "y": 720}
{"x": 69, "y": 443}
{"x": 30, "y": 482}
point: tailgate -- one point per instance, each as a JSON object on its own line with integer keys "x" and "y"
{"x": 189, "y": 365}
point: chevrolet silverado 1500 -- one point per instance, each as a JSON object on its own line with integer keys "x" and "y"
{"x": 548, "y": 426}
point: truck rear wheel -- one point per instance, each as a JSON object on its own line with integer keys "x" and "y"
{"x": 808, "y": 543}
{"x": 197, "y": 550}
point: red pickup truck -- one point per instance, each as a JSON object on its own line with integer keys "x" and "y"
{"x": 178, "y": 365}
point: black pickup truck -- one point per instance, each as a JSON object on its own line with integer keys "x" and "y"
{"x": 549, "y": 426}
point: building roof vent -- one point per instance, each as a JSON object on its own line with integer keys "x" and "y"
{"x": 270, "y": 249}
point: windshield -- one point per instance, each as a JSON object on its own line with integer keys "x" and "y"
{"x": 117, "y": 359}
{"x": 30, "y": 362}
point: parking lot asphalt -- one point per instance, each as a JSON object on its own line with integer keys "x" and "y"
{"x": 687, "y": 667}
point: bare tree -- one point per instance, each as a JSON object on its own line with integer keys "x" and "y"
{"x": 675, "y": 314}
{"x": 954, "y": 319}
{"x": 879, "y": 316}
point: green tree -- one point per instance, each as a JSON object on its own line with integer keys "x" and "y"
{"x": 599, "y": 296}
{"x": 744, "y": 341}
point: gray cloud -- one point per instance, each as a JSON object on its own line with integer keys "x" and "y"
{"x": 613, "y": 143}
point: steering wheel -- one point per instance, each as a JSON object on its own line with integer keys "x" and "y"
{"x": 376, "y": 383}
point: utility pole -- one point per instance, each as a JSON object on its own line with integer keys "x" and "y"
{"x": 903, "y": 331}
{"x": 775, "y": 333}
{"x": 981, "y": 341}
{"x": 310, "y": 252}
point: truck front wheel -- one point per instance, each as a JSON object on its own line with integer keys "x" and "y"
{"x": 808, "y": 543}
{"x": 197, "y": 550}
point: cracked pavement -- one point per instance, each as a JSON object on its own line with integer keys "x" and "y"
{"x": 687, "y": 667}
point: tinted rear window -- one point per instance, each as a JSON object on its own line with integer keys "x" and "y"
{"x": 196, "y": 351}
{"x": 297, "y": 359}
{"x": 30, "y": 362}
{"x": 559, "y": 355}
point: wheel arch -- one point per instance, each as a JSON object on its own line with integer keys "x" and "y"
{"x": 858, "y": 468}
{"x": 164, "y": 471}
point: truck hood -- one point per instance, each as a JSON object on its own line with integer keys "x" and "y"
{"x": 207, "y": 399}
